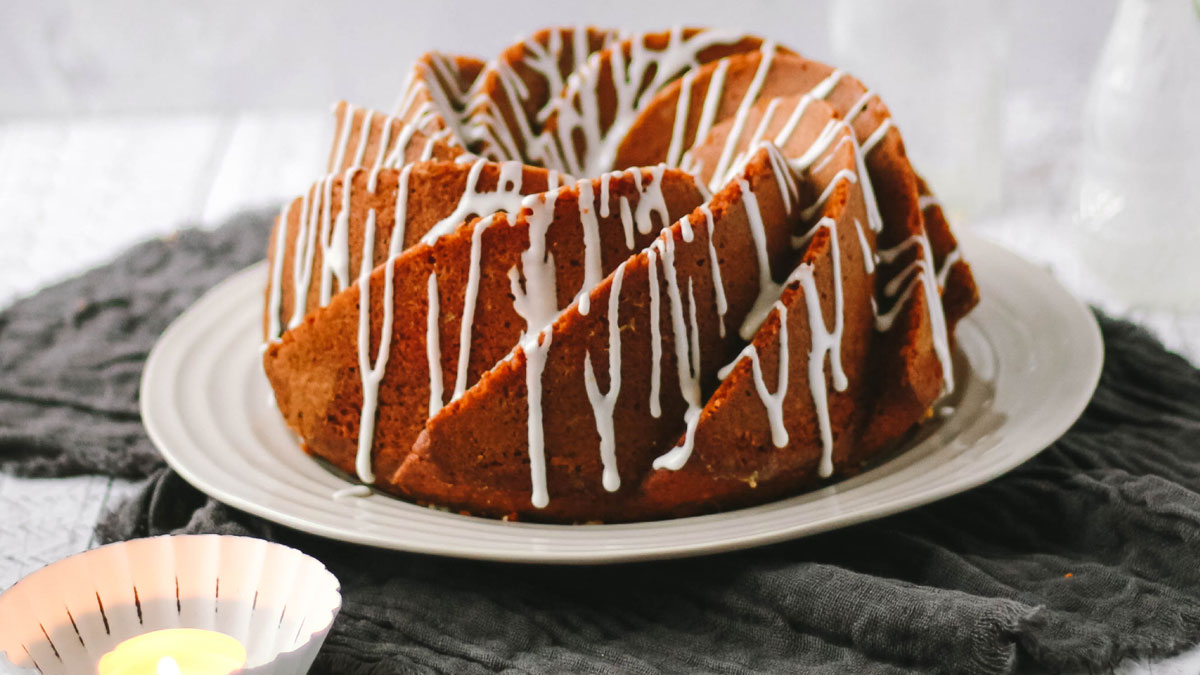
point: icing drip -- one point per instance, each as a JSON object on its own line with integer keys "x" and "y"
{"x": 407, "y": 130}
{"x": 360, "y": 152}
{"x": 859, "y": 106}
{"x": 687, "y": 355}
{"x": 765, "y": 122}
{"x": 604, "y": 194}
{"x": 718, "y": 285}
{"x": 335, "y": 250}
{"x": 793, "y": 120}
{"x": 811, "y": 211}
{"x": 874, "y": 217}
{"x": 675, "y": 150}
{"x": 537, "y": 302}
{"x": 951, "y": 258}
{"x": 825, "y": 86}
{"x": 343, "y": 139}
{"x": 592, "y": 264}
{"x": 876, "y": 136}
{"x": 739, "y": 120}
{"x": 469, "y": 299}
{"x": 305, "y": 253}
{"x": 400, "y": 216}
{"x": 655, "y": 334}
{"x": 507, "y": 197}
{"x": 785, "y": 181}
{"x": 921, "y": 271}
{"x": 627, "y": 222}
{"x": 768, "y": 290}
{"x": 276, "y": 295}
{"x": 773, "y": 402}
{"x": 820, "y": 146}
{"x": 651, "y": 201}
{"x": 385, "y": 138}
{"x": 433, "y": 345}
{"x": 712, "y": 99}
{"x": 604, "y": 404}
{"x": 824, "y": 341}
{"x": 353, "y": 491}
{"x": 536, "y": 348}
{"x": 371, "y": 373}
{"x": 867, "y": 254}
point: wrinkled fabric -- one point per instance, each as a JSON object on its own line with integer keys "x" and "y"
{"x": 1083, "y": 556}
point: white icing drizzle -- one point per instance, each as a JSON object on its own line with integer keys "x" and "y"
{"x": 768, "y": 290}
{"x": 593, "y": 268}
{"x": 305, "y": 253}
{"x": 859, "y": 106}
{"x": 675, "y": 150}
{"x": 360, "y": 151}
{"x": 920, "y": 270}
{"x": 926, "y": 201}
{"x": 433, "y": 345}
{"x": 650, "y": 201}
{"x": 385, "y": 138}
{"x": 335, "y": 240}
{"x": 655, "y": 334}
{"x": 603, "y": 405}
{"x": 785, "y": 181}
{"x": 867, "y": 254}
{"x": 371, "y": 373}
{"x": 847, "y": 174}
{"x": 739, "y": 119}
{"x": 352, "y": 492}
{"x": 604, "y": 197}
{"x": 537, "y": 301}
{"x": 687, "y": 355}
{"x": 343, "y": 139}
{"x": 773, "y": 402}
{"x": 825, "y": 87}
{"x": 718, "y": 285}
{"x": 400, "y": 215}
{"x": 951, "y": 258}
{"x": 768, "y": 116}
{"x": 471, "y": 295}
{"x": 536, "y": 348}
{"x": 712, "y": 99}
{"x": 627, "y": 221}
{"x": 507, "y": 197}
{"x": 845, "y": 139}
{"x": 876, "y": 136}
{"x": 824, "y": 341}
{"x": 793, "y": 120}
{"x": 276, "y": 292}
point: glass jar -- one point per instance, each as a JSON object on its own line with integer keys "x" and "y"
{"x": 1137, "y": 212}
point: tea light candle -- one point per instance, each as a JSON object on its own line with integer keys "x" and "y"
{"x": 175, "y": 651}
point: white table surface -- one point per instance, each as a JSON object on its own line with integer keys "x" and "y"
{"x": 76, "y": 190}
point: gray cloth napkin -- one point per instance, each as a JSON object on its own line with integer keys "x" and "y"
{"x": 1077, "y": 559}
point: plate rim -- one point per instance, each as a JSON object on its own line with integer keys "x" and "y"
{"x": 973, "y": 243}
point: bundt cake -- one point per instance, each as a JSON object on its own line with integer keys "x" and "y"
{"x": 613, "y": 278}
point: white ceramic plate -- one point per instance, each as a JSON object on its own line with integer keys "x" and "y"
{"x": 1028, "y": 359}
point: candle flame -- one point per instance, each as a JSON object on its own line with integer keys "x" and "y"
{"x": 168, "y": 666}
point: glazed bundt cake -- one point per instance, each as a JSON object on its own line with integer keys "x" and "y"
{"x": 613, "y": 278}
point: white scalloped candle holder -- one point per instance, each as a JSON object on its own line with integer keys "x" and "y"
{"x": 278, "y": 602}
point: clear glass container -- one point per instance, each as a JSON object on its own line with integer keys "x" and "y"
{"x": 1137, "y": 212}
